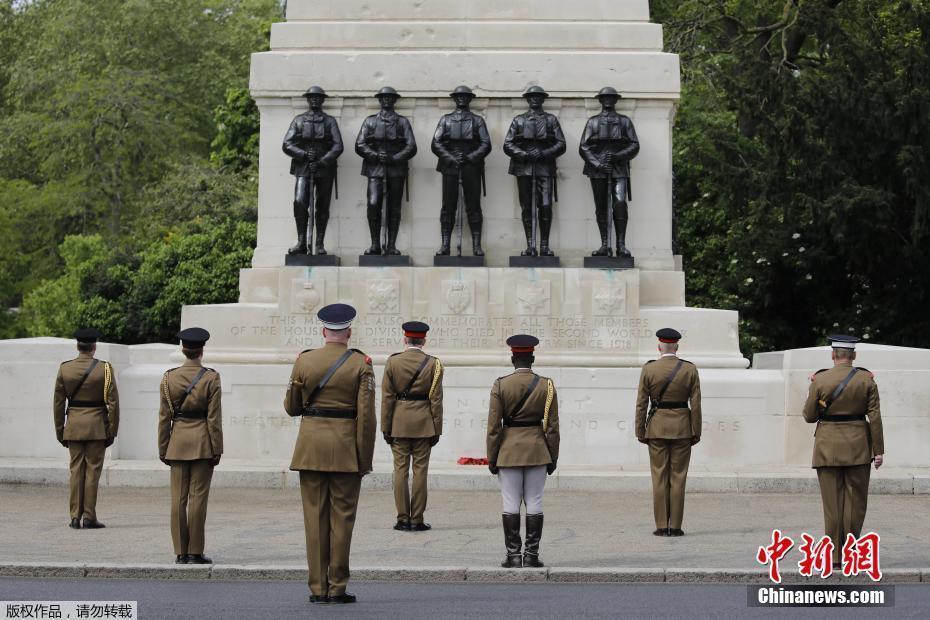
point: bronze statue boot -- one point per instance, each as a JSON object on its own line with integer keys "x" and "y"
{"x": 374, "y": 229}
{"x": 534, "y": 525}
{"x": 320, "y": 233}
{"x": 529, "y": 251}
{"x": 544, "y": 248}
{"x": 622, "y": 251}
{"x": 444, "y": 248}
{"x": 476, "y": 244}
{"x": 604, "y": 250}
{"x": 300, "y": 217}
{"x": 512, "y": 541}
{"x": 393, "y": 228}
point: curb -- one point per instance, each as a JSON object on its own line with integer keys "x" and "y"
{"x": 440, "y": 574}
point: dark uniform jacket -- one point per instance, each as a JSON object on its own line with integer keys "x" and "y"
{"x": 523, "y": 446}
{"x": 608, "y": 131}
{"x": 182, "y": 438}
{"x": 96, "y": 415}
{"x": 385, "y": 133}
{"x": 463, "y": 134}
{"x": 313, "y": 138}
{"x": 418, "y": 413}
{"x": 845, "y": 443}
{"x": 540, "y": 130}
{"x": 675, "y": 423}
{"x": 333, "y": 444}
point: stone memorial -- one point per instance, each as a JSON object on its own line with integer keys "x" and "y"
{"x": 596, "y": 326}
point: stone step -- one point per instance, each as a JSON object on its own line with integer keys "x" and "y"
{"x": 270, "y": 475}
{"x": 445, "y": 35}
{"x": 630, "y": 10}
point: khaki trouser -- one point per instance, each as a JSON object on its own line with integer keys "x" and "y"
{"x": 330, "y": 500}
{"x": 410, "y": 505}
{"x": 190, "y": 490}
{"x": 669, "y": 459}
{"x": 86, "y": 467}
{"x": 845, "y": 494}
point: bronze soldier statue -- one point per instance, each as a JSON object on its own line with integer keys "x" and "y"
{"x": 844, "y": 403}
{"x": 385, "y": 142}
{"x": 608, "y": 144}
{"x": 533, "y": 143}
{"x": 86, "y": 414}
{"x": 461, "y": 143}
{"x": 314, "y": 143}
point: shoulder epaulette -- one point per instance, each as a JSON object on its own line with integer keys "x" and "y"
{"x": 871, "y": 374}
{"x": 398, "y": 353}
{"x": 362, "y": 353}
{"x": 686, "y": 361}
{"x": 649, "y": 362}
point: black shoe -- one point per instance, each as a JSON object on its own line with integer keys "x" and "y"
{"x": 662, "y": 531}
{"x": 198, "y": 558}
{"x": 674, "y": 531}
{"x": 512, "y": 561}
{"x": 181, "y": 559}
{"x": 342, "y": 598}
{"x": 93, "y": 524}
{"x": 75, "y": 524}
{"x": 319, "y": 598}
{"x": 531, "y": 561}
{"x": 402, "y": 526}
{"x": 420, "y": 527}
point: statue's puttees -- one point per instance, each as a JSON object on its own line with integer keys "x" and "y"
{"x": 533, "y": 143}
{"x": 386, "y": 143}
{"x": 314, "y": 143}
{"x": 608, "y": 144}
{"x": 461, "y": 142}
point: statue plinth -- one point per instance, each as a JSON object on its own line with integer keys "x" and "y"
{"x": 608, "y": 262}
{"x": 380, "y": 260}
{"x": 458, "y": 261}
{"x": 538, "y": 262}
{"x": 311, "y": 260}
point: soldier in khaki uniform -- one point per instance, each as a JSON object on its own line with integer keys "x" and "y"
{"x": 86, "y": 413}
{"x": 411, "y": 421}
{"x": 523, "y": 447}
{"x": 670, "y": 427}
{"x": 333, "y": 390}
{"x": 843, "y": 401}
{"x": 190, "y": 440}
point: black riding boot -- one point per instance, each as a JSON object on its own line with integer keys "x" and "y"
{"x": 534, "y": 524}
{"x": 512, "y": 541}
{"x": 601, "y": 217}
{"x": 300, "y": 218}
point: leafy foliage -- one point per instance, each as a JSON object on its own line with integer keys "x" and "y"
{"x": 801, "y": 151}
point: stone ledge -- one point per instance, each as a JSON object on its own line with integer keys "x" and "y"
{"x": 607, "y": 575}
{"x": 132, "y": 473}
{"x": 147, "y": 571}
{"x": 506, "y": 575}
{"x": 65, "y": 570}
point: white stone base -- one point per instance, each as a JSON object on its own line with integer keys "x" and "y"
{"x": 751, "y": 417}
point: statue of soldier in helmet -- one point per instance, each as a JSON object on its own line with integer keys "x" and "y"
{"x": 314, "y": 143}
{"x": 608, "y": 144}
{"x": 385, "y": 142}
{"x": 461, "y": 142}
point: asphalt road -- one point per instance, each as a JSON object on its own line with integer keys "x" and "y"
{"x": 259, "y": 600}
